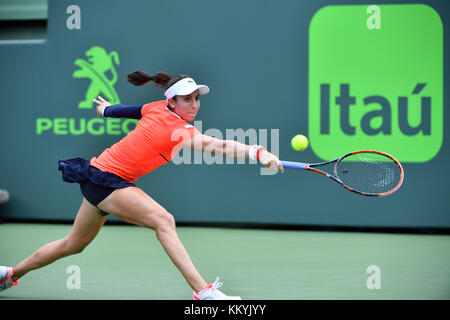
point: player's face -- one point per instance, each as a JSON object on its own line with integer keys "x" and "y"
{"x": 187, "y": 106}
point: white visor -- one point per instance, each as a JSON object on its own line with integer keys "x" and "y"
{"x": 184, "y": 87}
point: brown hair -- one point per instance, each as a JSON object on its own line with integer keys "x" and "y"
{"x": 161, "y": 79}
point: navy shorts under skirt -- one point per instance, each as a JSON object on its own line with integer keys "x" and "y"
{"x": 95, "y": 184}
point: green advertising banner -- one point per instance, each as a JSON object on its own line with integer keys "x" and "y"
{"x": 377, "y": 87}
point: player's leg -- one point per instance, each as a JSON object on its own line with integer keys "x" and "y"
{"x": 134, "y": 206}
{"x": 88, "y": 223}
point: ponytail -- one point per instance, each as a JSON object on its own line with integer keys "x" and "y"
{"x": 139, "y": 78}
{"x": 162, "y": 79}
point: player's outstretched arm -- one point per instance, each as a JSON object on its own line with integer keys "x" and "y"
{"x": 235, "y": 149}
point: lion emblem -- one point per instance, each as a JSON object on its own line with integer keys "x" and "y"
{"x": 98, "y": 63}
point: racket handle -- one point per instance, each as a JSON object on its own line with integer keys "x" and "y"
{"x": 294, "y": 165}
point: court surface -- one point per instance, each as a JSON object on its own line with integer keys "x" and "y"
{"x": 127, "y": 262}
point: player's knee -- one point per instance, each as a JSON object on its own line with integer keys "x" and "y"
{"x": 165, "y": 222}
{"x": 71, "y": 246}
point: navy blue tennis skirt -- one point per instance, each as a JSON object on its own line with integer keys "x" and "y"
{"x": 95, "y": 184}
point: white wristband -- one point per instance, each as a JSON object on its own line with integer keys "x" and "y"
{"x": 254, "y": 151}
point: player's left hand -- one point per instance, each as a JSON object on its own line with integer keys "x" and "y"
{"x": 270, "y": 161}
{"x": 101, "y": 105}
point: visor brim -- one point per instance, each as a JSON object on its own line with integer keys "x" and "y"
{"x": 202, "y": 89}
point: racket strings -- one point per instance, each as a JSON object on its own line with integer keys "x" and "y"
{"x": 369, "y": 172}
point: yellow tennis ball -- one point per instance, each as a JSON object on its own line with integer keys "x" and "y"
{"x": 299, "y": 142}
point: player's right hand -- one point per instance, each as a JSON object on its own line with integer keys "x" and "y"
{"x": 270, "y": 161}
{"x": 101, "y": 105}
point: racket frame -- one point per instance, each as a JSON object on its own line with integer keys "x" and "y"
{"x": 335, "y": 177}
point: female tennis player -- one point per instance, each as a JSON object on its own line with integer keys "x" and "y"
{"x": 107, "y": 181}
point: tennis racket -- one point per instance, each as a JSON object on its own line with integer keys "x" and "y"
{"x": 366, "y": 172}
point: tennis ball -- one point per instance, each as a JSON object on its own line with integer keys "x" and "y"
{"x": 299, "y": 142}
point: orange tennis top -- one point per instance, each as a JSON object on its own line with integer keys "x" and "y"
{"x": 157, "y": 138}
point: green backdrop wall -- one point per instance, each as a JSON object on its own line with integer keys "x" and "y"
{"x": 256, "y": 57}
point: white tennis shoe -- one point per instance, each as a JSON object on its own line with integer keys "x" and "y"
{"x": 211, "y": 292}
{"x": 6, "y": 274}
